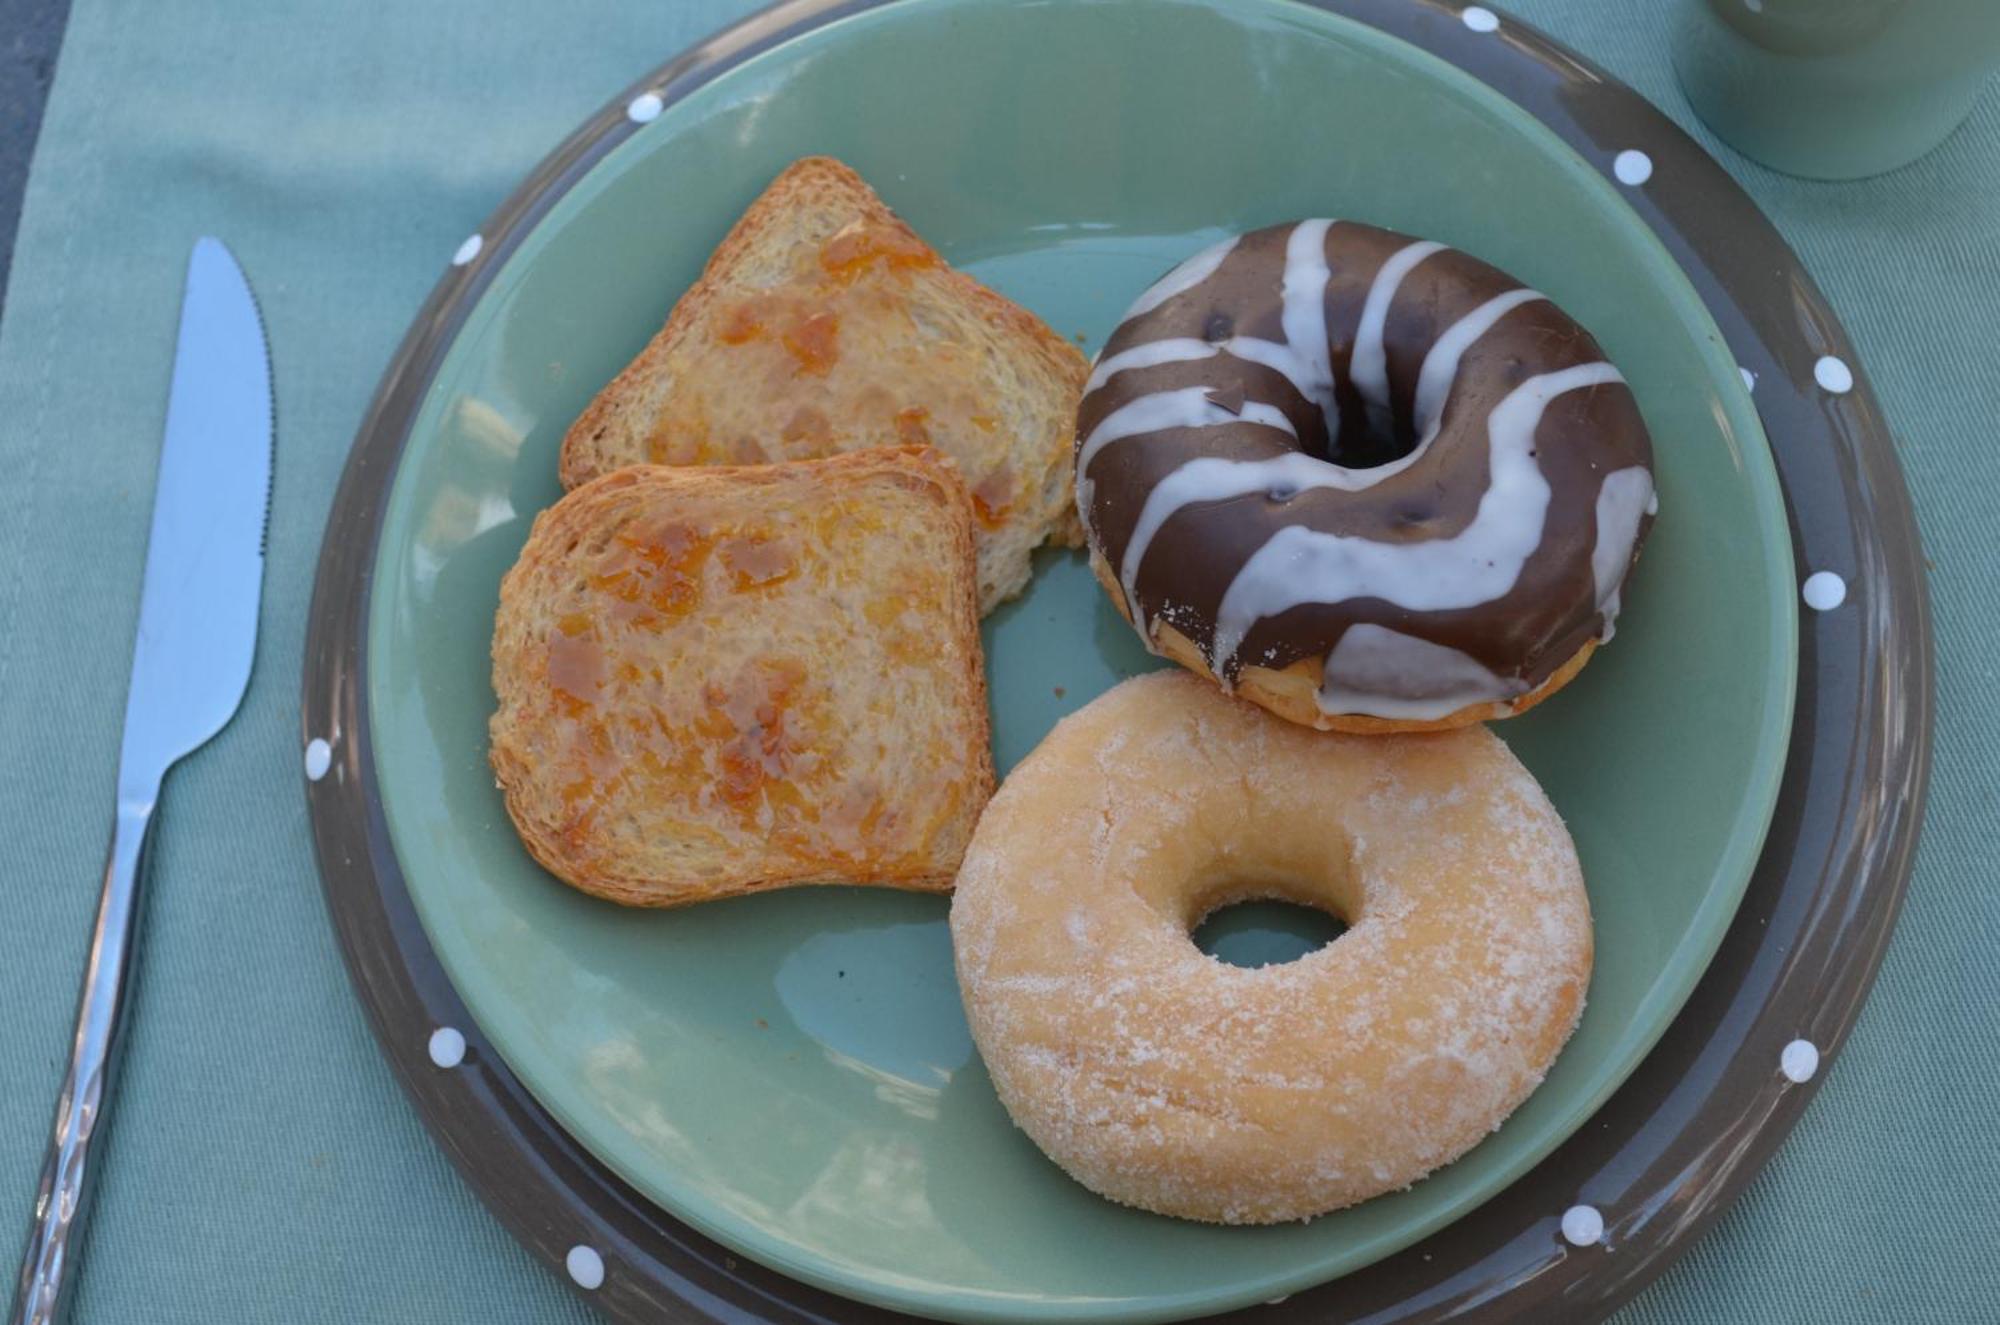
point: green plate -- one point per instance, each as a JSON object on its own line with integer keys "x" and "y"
{"x": 791, "y": 1073}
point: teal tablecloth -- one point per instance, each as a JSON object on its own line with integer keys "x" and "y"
{"x": 265, "y": 1167}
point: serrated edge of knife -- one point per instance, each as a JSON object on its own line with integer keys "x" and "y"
{"x": 270, "y": 404}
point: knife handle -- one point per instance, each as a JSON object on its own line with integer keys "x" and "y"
{"x": 62, "y": 1203}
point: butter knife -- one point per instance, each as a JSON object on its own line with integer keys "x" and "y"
{"x": 190, "y": 665}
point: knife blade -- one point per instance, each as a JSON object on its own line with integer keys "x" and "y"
{"x": 191, "y": 660}
{"x": 205, "y": 560}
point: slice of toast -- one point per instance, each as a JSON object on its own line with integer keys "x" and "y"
{"x": 719, "y": 680}
{"x": 823, "y": 324}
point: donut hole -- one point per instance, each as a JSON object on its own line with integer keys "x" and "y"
{"x": 1367, "y": 437}
{"x": 1265, "y": 931}
{"x": 1349, "y": 430}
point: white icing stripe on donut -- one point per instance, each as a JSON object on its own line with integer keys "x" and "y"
{"x": 1304, "y": 314}
{"x": 1179, "y": 349}
{"x": 1188, "y": 407}
{"x": 1622, "y": 501}
{"x": 1211, "y": 478}
{"x": 1190, "y": 273}
{"x": 1440, "y": 370}
{"x": 1480, "y": 563}
{"x": 1183, "y": 349}
{"x": 1368, "y": 369}
{"x": 1387, "y": 674}
{"x": 1279, "y": 358}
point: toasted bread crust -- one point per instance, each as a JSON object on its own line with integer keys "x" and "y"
{"x": 888, "y": 345}
{"x": 720, "y": 680}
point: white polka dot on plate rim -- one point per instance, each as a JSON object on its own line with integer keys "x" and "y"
{"x": 1749, "y": 378}
{"x": 1798, "y": 1061}
{"x": 468, "y": 250}
{"x": 645, "y": 108}
{"x": 1834, "y": 375}
{"x": 1583, "y": 1226}
{"x": 1632, "y": 166}
{"x": 447, "y": 1046}
{"x": 319, "y": 758}
{"x": 1823, "y": 591}
{"x": 1480, "y": 19}
{"x": 585, "y": 1266}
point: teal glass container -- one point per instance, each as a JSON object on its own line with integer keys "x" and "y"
{"x": 1835, "y": 89}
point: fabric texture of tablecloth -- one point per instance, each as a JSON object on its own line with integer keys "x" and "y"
{"x": 264, "y": 1165}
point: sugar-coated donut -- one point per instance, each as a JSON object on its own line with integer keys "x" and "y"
{"x": 1163, "y": 1078}
{"x": 1370, "y": 482}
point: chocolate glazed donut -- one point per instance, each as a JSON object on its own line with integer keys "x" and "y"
{"x": 1368, "y": 481}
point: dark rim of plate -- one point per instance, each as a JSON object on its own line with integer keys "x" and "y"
{"x": 1664, "y": 1155}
